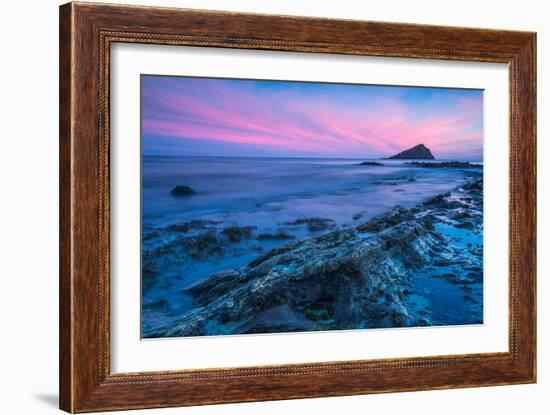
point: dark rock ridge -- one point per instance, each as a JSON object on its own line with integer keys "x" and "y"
{"x": 347, "y": 279}
{"x": 280, "y": 235}
{"x": 236, "y": 234}
{"x": 182, "y": 191}
{"x": 190, "y": 241}
{"x": 313, "y": 224}
{"x": 446, "y": 164}
{"x": 370, "y": 163}
{"x": 418, "y": 152}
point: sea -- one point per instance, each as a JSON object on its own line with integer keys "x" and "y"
{"x": 269, "y": 196}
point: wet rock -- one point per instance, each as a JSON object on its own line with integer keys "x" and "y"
{"x": 313, "y": 224}
{"x": 196, "y": 224}
{"x": 370, "y": 163}
{"x": 203, "y": 245}
{"x": 279, "y": 236}
{"x": 158, "y": 305}
{"x": 465, "y": 225}
{"x": 270, "y": 254}
{"x": 280, "y": 318}
{"x": 444, "y": 201}
{"x": 148, "y": 270}
{"x": 446, "y": 164}
{"x": 392, "y": 218}
{"x": 150, "y": 235}
{"x": 182, "y": 191}
{"x": 236, "y": 234}
{"x": 361, "y": 281}
{"x": 322, "y": 314}
{"x": 474, "y": 185}
{"x": 179, "y": 227}
{"x": 149, "y": 274}
{"x": 465, "y": 214}
{"x": 438, "y": 200}
{"x": 215, "y": 283}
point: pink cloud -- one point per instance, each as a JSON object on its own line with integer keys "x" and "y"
{"x": 217, "y": 111}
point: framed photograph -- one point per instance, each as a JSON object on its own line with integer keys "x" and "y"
{"x": 258, "y": 207}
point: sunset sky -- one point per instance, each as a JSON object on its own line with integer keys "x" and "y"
{"x": 229, "y": 117}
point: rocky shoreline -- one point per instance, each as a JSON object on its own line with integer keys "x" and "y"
{"x": 358, "y": 277}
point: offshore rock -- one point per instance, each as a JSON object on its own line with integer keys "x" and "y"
{"x": 418, "y": 152}
{"x": 370, "y": 163}
{"x": 182, "y": 191}
{"x": 446, "y": 164}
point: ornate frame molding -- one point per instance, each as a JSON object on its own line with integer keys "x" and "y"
{"x": 87, "y": 31}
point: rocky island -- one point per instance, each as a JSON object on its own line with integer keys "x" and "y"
{"x": 418, "y": 152}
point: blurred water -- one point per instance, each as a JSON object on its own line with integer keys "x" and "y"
{"x": 263, "y": 191}
{"x": 266, "y": 193}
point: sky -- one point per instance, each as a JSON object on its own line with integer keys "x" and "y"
{"x": 257, "y": 118}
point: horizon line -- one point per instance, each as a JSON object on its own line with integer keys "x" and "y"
{"x": 310, "y": 157}
{"x": 262, "y": 157}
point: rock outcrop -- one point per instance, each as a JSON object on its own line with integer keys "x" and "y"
{"x": 446, "y": 165}
{"x": 418, "y": 152}
{"x": 182, "y": 191}
{"x": 370, "y": 163}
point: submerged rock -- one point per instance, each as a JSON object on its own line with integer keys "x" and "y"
{"x": 237, "y": 233}
{"x": 370, "y": 163}
{"x": 203, "y": 245}
{"x": 156, "y": 305}
{"x": 280, "y": 235}
{"x": 313, "y": 224}
{"x": 182, "y": 191}
{"x": 193, "y": 225}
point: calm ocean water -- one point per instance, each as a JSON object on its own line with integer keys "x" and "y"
{"x": 265, "y": 191}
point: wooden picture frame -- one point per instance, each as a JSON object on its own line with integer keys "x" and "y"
{"x": 86, "y": 33}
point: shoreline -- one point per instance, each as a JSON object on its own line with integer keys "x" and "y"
{"x": 368, "y": 266}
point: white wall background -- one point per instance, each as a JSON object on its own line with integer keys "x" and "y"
{"x": 29, "y": 189}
